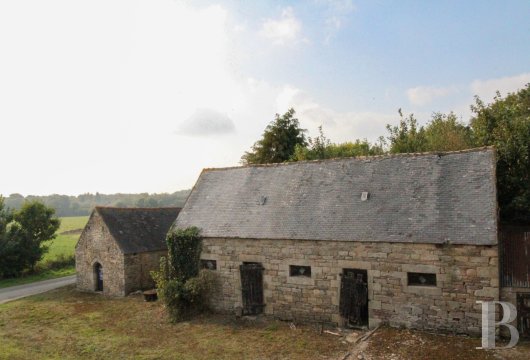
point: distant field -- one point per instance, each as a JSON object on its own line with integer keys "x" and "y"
{"x": 65, "y": 243}
{"x": 73, "y": 223}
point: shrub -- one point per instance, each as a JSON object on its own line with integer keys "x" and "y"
{"x": 60, "y": 262}
{"x": 184, "y": 289}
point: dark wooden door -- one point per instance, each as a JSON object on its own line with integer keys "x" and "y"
{"x": 523, "y": 315}
{"x": 252, "y": 288}
{"x": 353, "y": 305}
{"x": 99, "y": 277}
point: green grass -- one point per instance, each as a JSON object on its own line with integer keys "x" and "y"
{"x": 67, "y": 324}
{"x": 62, "y": 245}
{"x": 73, "y": 223}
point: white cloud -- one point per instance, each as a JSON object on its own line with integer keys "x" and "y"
{"x": 424, "y": 95}
{"x": 284, "y": 31}
{"x": 337, "y": 126}
{"x": 205, "y": 122}
{"x": 340, "y": 6}
{"x": 458, "y": 98}
{"x": 486, "y": 89}
{"x": 335, "y": 15}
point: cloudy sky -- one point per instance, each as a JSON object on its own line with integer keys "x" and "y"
{"x": 139, "y": 96}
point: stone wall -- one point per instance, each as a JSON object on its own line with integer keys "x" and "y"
{"x": 96, "y": 245}
{"x": 137, "y": 270}
{"x": 465, "y": 274}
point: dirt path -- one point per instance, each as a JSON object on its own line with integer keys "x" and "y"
{"x": 393, "y": 344}
{"x": 16, "y": 292}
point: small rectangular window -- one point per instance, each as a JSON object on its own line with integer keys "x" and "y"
{"x": 299, "y": 270}
{"x": 209, "y": 264}
{"x": 421, "y": 279}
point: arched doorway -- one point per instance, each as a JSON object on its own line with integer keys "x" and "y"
{"x": 98, "y": 272}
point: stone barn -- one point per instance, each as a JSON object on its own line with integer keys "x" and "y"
{"x": 409, "y": 240}
{"x": 120, "y": 246}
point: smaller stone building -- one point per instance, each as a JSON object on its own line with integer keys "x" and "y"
{"x": 120, "y": 246}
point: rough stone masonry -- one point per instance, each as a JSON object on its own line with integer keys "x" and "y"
{"x": 431, "y": 215}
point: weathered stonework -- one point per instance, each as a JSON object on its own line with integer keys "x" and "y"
{"x": 138, "y": 268}
{"x": 127, "y": 243}
{"x": 465, "y": 274}
{"x": 96, "y": 245}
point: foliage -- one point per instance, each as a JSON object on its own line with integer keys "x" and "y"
{"x": 322, "y": 148}
{"x": 82, "y": 205}
{"x": 407, "y": 137}
{"x": 22, "y": 236}
{"x": 446, "y": 133}
{"x": 184, "y": 252}
{"x": 505, "y": 123}
{"x": 184, "y": 289}
{"x": 278, "y": 142}
{"x": 442, "y": 133}
{"x": 61, "y": 261}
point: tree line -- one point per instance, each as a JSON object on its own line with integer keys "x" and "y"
{"x": 504, "y": 123}
{"x": 82, "y": 205}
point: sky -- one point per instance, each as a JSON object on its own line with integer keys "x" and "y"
{"x": 139, "y": 96}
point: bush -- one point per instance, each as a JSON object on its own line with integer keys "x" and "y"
{"x": 60, "y": 262}
{"x": 184, "y": 289}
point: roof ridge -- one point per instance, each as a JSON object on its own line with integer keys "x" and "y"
{"x": 138, "y": 208}
{"x": 360, "y": 158}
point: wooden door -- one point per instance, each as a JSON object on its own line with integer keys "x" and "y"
{"x": 252, "y": 288}
{"x": 353, "y": 305}
{"x": 523, "y": 315}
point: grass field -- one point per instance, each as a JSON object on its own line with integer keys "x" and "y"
{"x": 66, "y": 324}
{"x": 62, "y": 245}
{"x": 73, "y": 223}
{"x": 67, "y": 237}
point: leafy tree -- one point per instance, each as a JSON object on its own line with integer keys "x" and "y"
{"x": 278, "y": 142}
{"x": 22, "y": 234}
{"x": 442, "y": 133}
{"x": 505, "y": 123}
{"x": 322, "y": 148}
{"x": 407, "y": 137}
{"x": 446, "y": 133}
{"x": 39, "y": 225}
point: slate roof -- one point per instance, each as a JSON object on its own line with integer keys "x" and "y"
{"x": 138, "y": 230}
{"x": 423, "y": 198}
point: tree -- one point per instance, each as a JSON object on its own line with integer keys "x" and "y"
{"x": 407, "y": 137}
{"x": 278, "y": 141}
{"x": 442, "y": 133}
{"x": 505, "y": 124}
{"x": 322, "y": 148}
{"x": 22, "y": 236}
{"x": 39, "y": 225}
{"x": 446, "y": 133}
